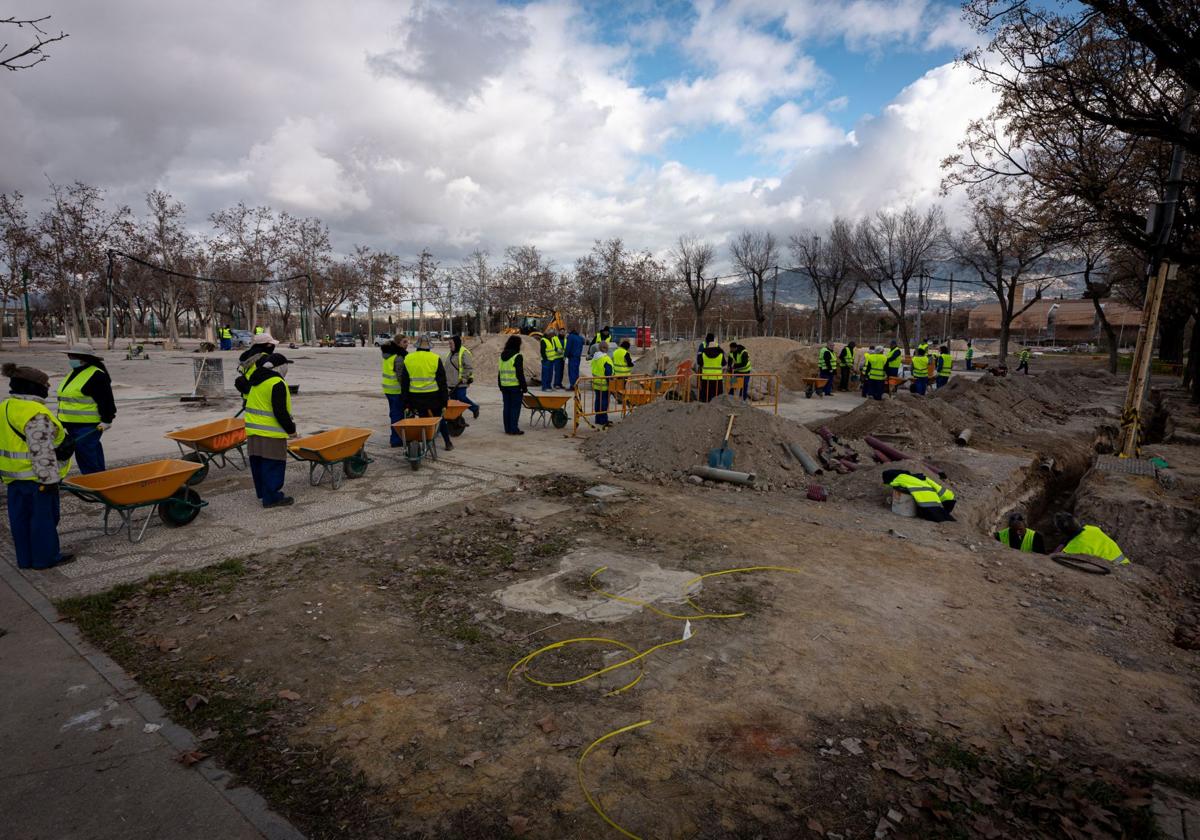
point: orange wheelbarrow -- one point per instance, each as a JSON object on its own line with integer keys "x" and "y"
{"x": 159, "y": 485}
{"x": 419, "y": 436}
{"x": 211, "y": 443}
{"x": 326, "y": 452}
{"x": 547, "y": 408}
{"x": 456, "y": 424}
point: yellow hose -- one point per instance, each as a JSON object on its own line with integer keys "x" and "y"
{"x": 637, "y": 657}
{"x": 582, "y": 786}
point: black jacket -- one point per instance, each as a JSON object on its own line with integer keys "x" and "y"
{"x": 712, "y": 353}
{"x": 504, "y": 357}
{"x": 278, "y": 397}
{"x": 436, "y": 400}
{"x": 99, "y": 388}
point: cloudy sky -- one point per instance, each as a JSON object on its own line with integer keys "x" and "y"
{"x": 455, "y": 125}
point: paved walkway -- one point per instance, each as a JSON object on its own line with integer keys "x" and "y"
{"x": 77, "y": 759}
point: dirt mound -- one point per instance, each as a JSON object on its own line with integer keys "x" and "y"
{"x": 994, "y": 408}
{"x": 486, "y": 355}
{"x": 665, "y": 438}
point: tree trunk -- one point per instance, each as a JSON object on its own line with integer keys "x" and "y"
{"x": 1171, "y": 327}
{"x": 1005, "y": 332}
{"x": 1109, "y": 333}
{"x": 87, "y": 325}
{"x": 1193, "y": 364}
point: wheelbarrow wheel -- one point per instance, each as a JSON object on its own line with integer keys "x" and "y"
{"x": 456, "y": 426}
{"x": 559, "y": 418}
{"x": 355, "y": 465}
{"x": 413, "y": 454}
{"x": 200, "y": 474}
{"x": 808, "y": 392}
{"x": 181, "y": 508}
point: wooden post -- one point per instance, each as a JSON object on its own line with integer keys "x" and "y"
{"x": 1139, "y": 373}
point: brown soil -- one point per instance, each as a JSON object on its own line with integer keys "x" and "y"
{"x": 664, "y": 439}
{"x": 486, "y": 355}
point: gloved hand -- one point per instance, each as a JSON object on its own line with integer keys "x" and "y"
{"x": 103, "y": 427}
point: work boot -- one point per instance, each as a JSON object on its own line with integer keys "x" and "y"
{"x": 284, "y": 502}
{"x": 475, "y": 412}
{"x": 449, "y": 445}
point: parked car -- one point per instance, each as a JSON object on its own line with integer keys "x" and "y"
{"x": 445, "y": 336}
{"x": 343, "y": 339}
{"x": 382, "y": 338}
{"x": 241, "y": 338}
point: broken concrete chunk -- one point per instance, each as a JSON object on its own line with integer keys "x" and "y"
{"x": 606, "y": 492}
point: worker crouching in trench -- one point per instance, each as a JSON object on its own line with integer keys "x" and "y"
{"x": 934, "y": 502}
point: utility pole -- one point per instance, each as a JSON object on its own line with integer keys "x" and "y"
{"x": 108, "y": 324}
{"x": 1164, "y": 216}
{"x": 774, "y": 294}
{"x": 26, "y": 334}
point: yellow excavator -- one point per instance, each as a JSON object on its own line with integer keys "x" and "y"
{"x": 536, "y": 323}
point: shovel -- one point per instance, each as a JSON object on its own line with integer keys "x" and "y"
{"x": 722, "y": 458}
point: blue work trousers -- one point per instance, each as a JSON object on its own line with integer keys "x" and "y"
{"x": 460, "y": 394}
{"x": 601, "y": 406}
{"x": 828, "y": 389}
{"x": 89, "y": 454}
{"x": 226, "y": 343}
{"x": 268, "y": 478}
{"x": 33, "y": 518}
{"x": 572, "y": 371}
{"x": 512, "y": 409}
{"x": 919, "y": 384}
{"x": 877, "y": 386}
{"x": 395, "y": 414}
{"x": 942, "y": 380}
{"x": 547, "y": 375}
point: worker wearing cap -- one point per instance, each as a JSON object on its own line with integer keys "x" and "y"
{"x": 423, "y": 385}
{"x": 739, "y": 363}
{"x": 269, "y": 424}
{"x": 710, "y": 364}
{"x": 934, "y": 502}
{"x": 226, "y": 336}
{"x": 393, "y": 352}
{"x": 845, "y": 365}
{"x": 261, "y": 346}
{"x": 34, "y": 458}
{"x": 827, "y": 367}
{"x": 894, "y": 356}
{"x": 920, "y": 372}
{"x": 86, "y": 406}
{"x": 460, "y": 373}
{"x": 944, "y": 362}
{"x": 602, "y": 371}
{"x": 1021, "y": 537}
{"x": 1087, "y": 539}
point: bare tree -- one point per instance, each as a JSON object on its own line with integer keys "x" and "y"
{"x": 890, "y": 249}
{"x": 375, "y": 268}
{"x": 75, "y": 233}
{"x": 164, "y": 238}
{"x": 18, "y": 244}
{"x": 475, "y": 281}
{"x": 252, "y": 242}
{"x": 756, "y": 254}
{"x": 1005, "y": 244}
{"x": 692, "y": 258}
{"x": 30, "y": 55}
{"x": 828, "y": 262}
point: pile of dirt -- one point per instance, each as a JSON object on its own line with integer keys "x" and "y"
{"x": 666, "y": 438}
{"x": 994, "y": 408}
{"x": 485, "y": 353}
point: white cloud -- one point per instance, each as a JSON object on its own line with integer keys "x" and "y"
{"x": 437, "y": 125}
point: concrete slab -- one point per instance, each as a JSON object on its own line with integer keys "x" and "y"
{"x": 606, "y": 493}
{"x": 565, "y": 592}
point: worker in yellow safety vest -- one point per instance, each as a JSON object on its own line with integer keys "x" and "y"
{"x": 1020, "y": 536}
{"x": 86, "y": 407}
{"x": 259, "y": 330}
{"x": 552, "y": 353}
{"x": 920, "y": 372}
{"x": 710, "y": 364}
{"x": 622, "y": 360}
{"x": 739, "y": 364}
{"x": 226, "y": 336}
{"x": 944, "y": 362}
{"x": 826, "y": 366}
{"x": 1023, "y": 360}
{"x": 876, "y": 373}
{"x": 1087, "y": 539}
{"x": 511, "y": 380}
{"x": 35, "y": 455}
{"x": 602, "y": 372}
{"x": 934, "y": 502}
{"x": 393, "y": 353}
{"x": 559, "y": 367}
{"x": 269, "y": 424}
{"x": 845, "y": 366}
{"x": 423, "y": 385}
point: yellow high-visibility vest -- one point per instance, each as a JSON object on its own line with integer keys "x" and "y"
{"x": 260, "y": 411}
{"x": 710, "y": 367}
{"x": 391, "y": 381}
{"x": 1091, "y": 540}
{"x": 16, "y": 463}
{"x": 622, "y": 362}
{"x": 73, "y": 405}
{"x": 1026, "y": 541}
{"x": 508, "y": 372}
{"x": 599, "y": 374}
{"x": 422, "y": 368}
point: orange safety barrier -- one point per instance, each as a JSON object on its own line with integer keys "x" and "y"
{"x": 761, "y": 389}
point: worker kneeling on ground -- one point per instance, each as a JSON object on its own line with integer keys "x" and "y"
{"x": 269, "y": 424}
{"x": 35, "y": 457}
{"x": 423, "y": 384}
{"x": 1021, "y": 537}
{"x": 934, "y": 502}
{"x": 1087, "y": 539}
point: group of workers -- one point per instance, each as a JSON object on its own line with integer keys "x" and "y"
{"x": 879, "y": 364}
{"x": 935, "y": 503}
{"x": 714, "y": 366}
{"x": 37, "y": 446}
